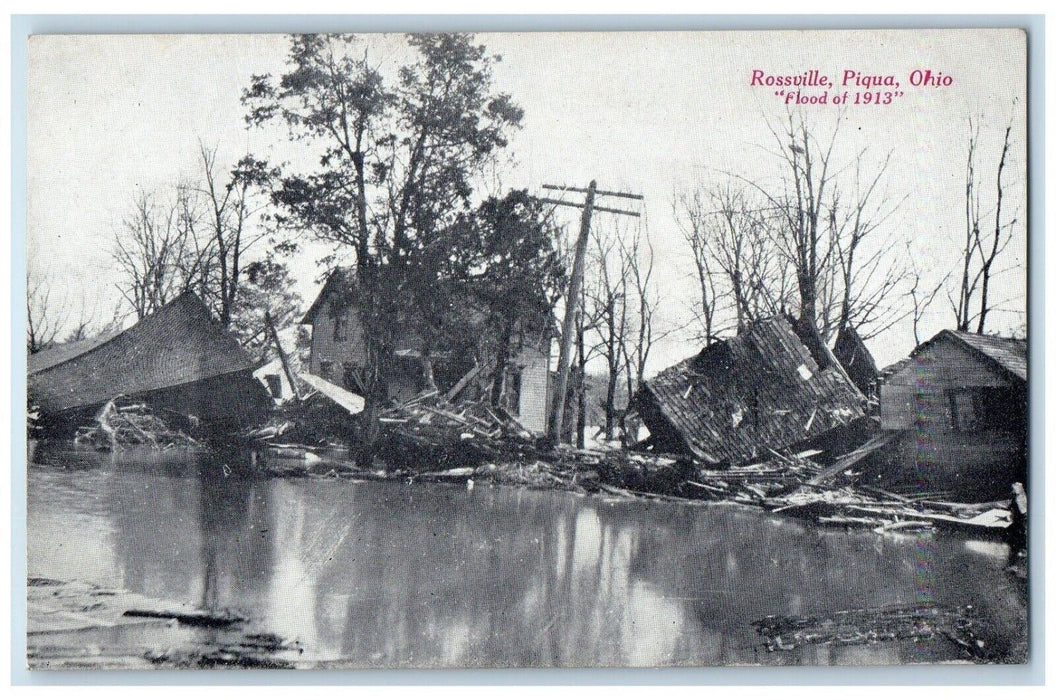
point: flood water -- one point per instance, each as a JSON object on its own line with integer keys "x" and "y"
{"x": 425, "y": 575}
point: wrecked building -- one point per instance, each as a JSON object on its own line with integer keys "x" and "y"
{"x": 736, "y": 398}
{"x": 339, "y": 355}
{"x": 177, "y": 359}
{"x": 958, "y": 404}
{"x": 852, "y": 354}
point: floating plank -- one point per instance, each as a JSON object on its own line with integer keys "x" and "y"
{"x": 353, "y": 403}
{"x": 851, "y": 458}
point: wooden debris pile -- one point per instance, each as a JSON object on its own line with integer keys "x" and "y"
{"x": 754, "y": 483}
{"x": 870, "y": 626}
{"x": 886, "y": 511}
{"x": 432, "y": 439}
{"x": 121, "y": 424}
{"x": 429, "y": 430}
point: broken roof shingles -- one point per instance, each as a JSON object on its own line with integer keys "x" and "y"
{"x": 179, "y": 344}
{"x": 761, "y": 380}
{"x": 1008, "y": 353}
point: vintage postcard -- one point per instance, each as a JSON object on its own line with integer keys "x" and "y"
{"x": 527, "y": 349}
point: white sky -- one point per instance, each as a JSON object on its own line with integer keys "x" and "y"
{"x": 641, "y": 112}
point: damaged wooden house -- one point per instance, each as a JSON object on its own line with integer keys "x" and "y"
{"x": 176, "y": 360}
{"x": 338, "y": 355}
{"x": 761, "y": 390}
{"x": 955, "y": 413}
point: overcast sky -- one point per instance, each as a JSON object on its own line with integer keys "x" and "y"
{"x": 651, "y": 113}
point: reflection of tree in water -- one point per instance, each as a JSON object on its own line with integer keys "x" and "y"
{"x": 236, "y": 551}
{"x": 436, "y": 576}
{"x": 428, "y": 575}
{"x": 181, "y": 536}
{"x": 733, "y": 566}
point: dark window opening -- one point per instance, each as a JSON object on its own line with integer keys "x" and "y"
{"x": 988, "y": 408}
{"x": 340, "y": 330}
{"x": 274, "y": 385}
{"x": 513, "y": 392}
{"x": 326, "y": 369}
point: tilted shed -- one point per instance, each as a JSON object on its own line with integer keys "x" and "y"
{"x": 178, "y": 358}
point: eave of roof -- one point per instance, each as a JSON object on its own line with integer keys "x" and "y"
{"x": 179, "y": 344}
{"x": 1007, "y": 355}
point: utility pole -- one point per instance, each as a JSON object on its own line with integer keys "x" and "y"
{"x": 283, "y": 358}
{"x": 574, "y": 299}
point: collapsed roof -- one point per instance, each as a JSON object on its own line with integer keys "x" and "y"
{"x": 736, "y": 398}
{"x": 179, "y": 345}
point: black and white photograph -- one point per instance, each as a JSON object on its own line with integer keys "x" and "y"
{"x": 527, "y": 350}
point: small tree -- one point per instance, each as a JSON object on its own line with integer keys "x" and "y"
{"x": 44, "y": 319}
{"x": 228, "y": 207}
{"x": 983, "y": 244}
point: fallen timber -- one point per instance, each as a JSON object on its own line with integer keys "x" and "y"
{"x": 74, "y": 624}
{"x": 122, "y": 424}
{"x": 430, "y": 439}
{"x": 959, "y": 625}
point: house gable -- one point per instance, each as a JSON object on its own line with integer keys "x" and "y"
{"x": 920, "y": 389}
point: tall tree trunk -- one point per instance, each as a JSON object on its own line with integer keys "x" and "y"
{"x": 610, "y": 404}
{"x": 581, "y": 394}
{"x": 807, "y": 324}
{"x": 498, "y": 381}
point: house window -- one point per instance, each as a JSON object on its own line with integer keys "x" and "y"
{"x": 340, "y": 329}
{"x": 963, "y": 410}
{"x": 274, "y": 385}
{"x": 326, "y": 369}
{"x": 988, "y": 408}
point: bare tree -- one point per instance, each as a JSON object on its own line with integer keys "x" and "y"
{"x": 734, "y": 256}
{"x": 230, "y": 206}
{"x": 822, "y": 216}
{"x": 643, "y": 300}
{"x": 982, "y": 245}
{"x": 157, "y": 251}
{"x": 690, "y": 215}
{"x": 606, "y": 313}
{"x": 44, "y": 319}
{"x": 921, "y": 297}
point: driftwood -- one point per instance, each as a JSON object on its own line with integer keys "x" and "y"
{"x": 194, "y": 618}
{"x": 125, "y": 425}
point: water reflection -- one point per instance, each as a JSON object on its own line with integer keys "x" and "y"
{"x": 381, "y": 574}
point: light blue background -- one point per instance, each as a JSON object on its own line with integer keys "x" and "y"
{"x": 24, "y": 25}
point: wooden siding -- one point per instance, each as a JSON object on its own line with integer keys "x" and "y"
{"x": 325, "y": 349}
{"x": 979, "y": 465}
{"x": 535, "y": 388}
{"x": 934, "y": 454}
{"x": 919, "y": 392}
{"x": 534, "y": 363}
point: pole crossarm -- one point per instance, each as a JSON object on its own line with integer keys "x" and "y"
{"x": 607, "y": 193}
{"x": 574, "y": 301}
{"x": 580, "y": 206}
